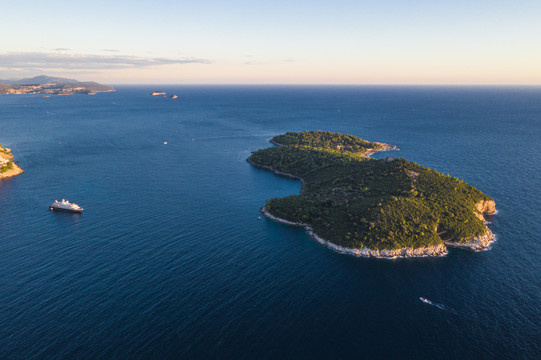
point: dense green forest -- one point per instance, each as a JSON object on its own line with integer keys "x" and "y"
{"x": 358, "y": 202}
{"x": 327, "y": 140}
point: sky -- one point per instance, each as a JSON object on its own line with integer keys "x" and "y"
{"x": 274, "y": 42}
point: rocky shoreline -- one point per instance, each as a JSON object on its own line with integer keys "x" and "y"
{"x": 291, "y": 176}
{"x": 16, "y": 170}
{"x": 384, "y": 147}
{"x": 276, "y": 143}
{"x": 6, "y": 157}
{"x": 475, "y": 243}
{"x": 436, "y": 250}
{"x": 483, "y": 242}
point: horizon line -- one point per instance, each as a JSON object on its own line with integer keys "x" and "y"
{"x": 310, "y": 84}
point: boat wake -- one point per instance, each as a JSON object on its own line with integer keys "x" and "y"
{"x": 439, "y": 306}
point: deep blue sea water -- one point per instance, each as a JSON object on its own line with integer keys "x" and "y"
{"x": 171, "y": 261}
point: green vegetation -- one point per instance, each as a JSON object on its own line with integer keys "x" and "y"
{"x": 358, "y": 202}
{"x": 6, "y": 158}
{"x": 6, "y": 167}
{"x": 326, "y": 140}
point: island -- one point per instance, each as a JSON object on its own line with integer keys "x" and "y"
{"x": 387, "y": 208}
{"x": 8, "y": 168}
{"x": 51, "y": 85}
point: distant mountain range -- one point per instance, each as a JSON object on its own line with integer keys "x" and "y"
{"x": 51, "y": 85}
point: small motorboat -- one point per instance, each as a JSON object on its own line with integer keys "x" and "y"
{"x": 425, "y": 300}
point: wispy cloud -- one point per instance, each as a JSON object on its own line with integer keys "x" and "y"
{"x": 252, "y": 62}
{"x": 111, "y": 50}
{"x": 62, "y": 49}
{"x": 43, "y": 60}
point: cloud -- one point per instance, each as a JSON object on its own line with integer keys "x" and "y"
{"x": 61, "y": 49}
{"x": 111, "y": 50}
{"x": 42, "y": 60}
{"x": 250, "y": 62}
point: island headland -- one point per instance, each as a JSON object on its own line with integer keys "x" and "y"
{"x": 51, "y": 85}
{"x": 387, "y": 208}
{"x": 8, "y": 168}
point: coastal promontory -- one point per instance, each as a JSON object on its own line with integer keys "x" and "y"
{"x": 387, "y": 208}
{"x": 8, "y": 167}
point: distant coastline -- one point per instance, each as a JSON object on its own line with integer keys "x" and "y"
{"x": 51, "y": 86}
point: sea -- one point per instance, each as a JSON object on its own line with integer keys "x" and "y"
{"x": 172, "y": 259}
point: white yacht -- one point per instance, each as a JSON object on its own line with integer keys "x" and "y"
{"x": 65, "y": 205}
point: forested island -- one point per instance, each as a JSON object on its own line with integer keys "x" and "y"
{"x": 366, "y": 207}
{"x": 51, "y": 85}
{"x": 8, "y": 168}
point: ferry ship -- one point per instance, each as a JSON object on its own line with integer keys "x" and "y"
{"x": 65, "y": 205}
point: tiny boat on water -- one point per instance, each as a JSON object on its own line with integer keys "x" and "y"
{"x": 65, "y": 205}
{"x": 426, "y": 301}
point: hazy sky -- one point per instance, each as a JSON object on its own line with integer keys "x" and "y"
{"x": 274, "y": 42}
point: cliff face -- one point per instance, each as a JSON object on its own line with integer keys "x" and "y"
{"x": 478, "y": 243}
{"x": 485, "y": 207}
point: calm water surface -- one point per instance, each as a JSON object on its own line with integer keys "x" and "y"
{"x": 170, "y": 259}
